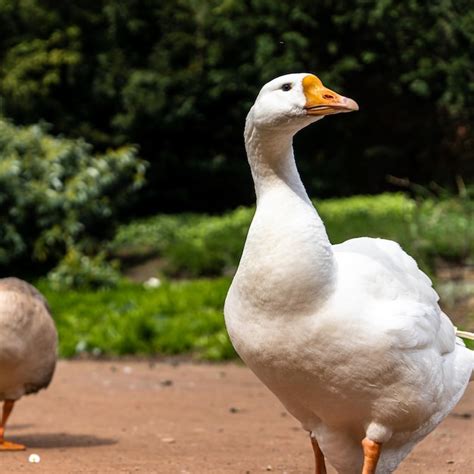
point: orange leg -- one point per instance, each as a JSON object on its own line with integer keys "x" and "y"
{"x": 318, "y": 457}
{"x": 372, "y": 451}
{"x": 7, "y": 445}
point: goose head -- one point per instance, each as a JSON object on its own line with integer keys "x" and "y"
{"x": 293, "y": 101}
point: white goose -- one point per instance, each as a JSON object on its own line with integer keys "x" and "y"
{"x": 28, "y": 342}
{"x": 349, "y": 337}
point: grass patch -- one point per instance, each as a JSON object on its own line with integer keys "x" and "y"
{"x": 469, "y": 344}
{"x": 175, "y": 318}
{"x": 184, "y": 317}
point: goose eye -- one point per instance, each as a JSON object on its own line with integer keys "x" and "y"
{"x": 286, "y": 87}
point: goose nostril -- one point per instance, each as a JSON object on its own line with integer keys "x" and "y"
{"x": 328, "y": 96}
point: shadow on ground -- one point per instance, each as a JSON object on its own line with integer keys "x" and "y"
{"x": 61, "y": 440}
{"x": 23, "y": 426}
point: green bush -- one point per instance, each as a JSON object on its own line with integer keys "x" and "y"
{"x": 55, "y": 195}
{"x": 211, "y": 245}
{"x": 387, "y": 216}
{"x": 192, "y": 244}
{"x": 152, "y": 235}
{"x": 81, "y": 271}
{"x": 446, "y": 228}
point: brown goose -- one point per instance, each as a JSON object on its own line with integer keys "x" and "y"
{"x": 28, "y": 347}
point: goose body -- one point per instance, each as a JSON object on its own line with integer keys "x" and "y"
{"x": 28, "y": 345}
{"x": 349, "y": 337}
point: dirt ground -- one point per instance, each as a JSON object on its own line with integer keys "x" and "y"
{"x": 142, "y": 417}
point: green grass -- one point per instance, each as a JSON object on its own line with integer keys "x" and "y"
{"x": 183, "y": 317}
{"x": 175, "y": 318}
{"x": 469, "y": 325}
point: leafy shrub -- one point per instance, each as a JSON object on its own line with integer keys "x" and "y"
{"x": 56, "y": 195}
{"x": 196, "y": 244}
{"x": 211, "y": 246}
{"x": 192, "y": 244}
{"x": 81, "y": 271}
{"x": 446, "y": 228}
{"x": 152, "y": 235}
{"x": 387, "y": 216}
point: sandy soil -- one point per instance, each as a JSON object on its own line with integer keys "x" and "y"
{"x": 141, "y": 417}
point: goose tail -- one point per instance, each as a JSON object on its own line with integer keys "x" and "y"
{"x": 465, "y": 334}
{"x": 472, "y": 371}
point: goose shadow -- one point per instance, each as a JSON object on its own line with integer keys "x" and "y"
{"x": 61, "y": 440}
{"x": 19, "y": 427}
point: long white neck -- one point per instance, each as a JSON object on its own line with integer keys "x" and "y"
{"x": 287, "y": 260}
{"x": 272, "y": 162}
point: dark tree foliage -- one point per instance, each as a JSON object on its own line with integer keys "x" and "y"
{"x": 177, "y": 77}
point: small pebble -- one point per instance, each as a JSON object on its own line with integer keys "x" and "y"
{"x": 34, "y": 458}
{"x": 269, "y": 468}
{"x": 96, "y": 352}
{"x": 449, "y": 462}
{"x": 81, "y": 346}
{"x": 127, "y": 370}
{"x": 168, "y": 440}
{"x": 166, "y": 383}
{"x": 234, "y": 410}
{"x": 152, "y": 282}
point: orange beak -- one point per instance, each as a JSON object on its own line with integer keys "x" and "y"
{"x": 323, "y": 101}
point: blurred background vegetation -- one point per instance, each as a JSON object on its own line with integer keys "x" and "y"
{"x": 122, "y": 158}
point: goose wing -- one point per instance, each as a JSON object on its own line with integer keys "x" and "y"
{"x": 408, "y": 304}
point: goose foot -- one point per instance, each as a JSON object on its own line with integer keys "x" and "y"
{"x": 7, "y": 445}
{"x": 372, "y": 451}
{"x": 318, "y": 457}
